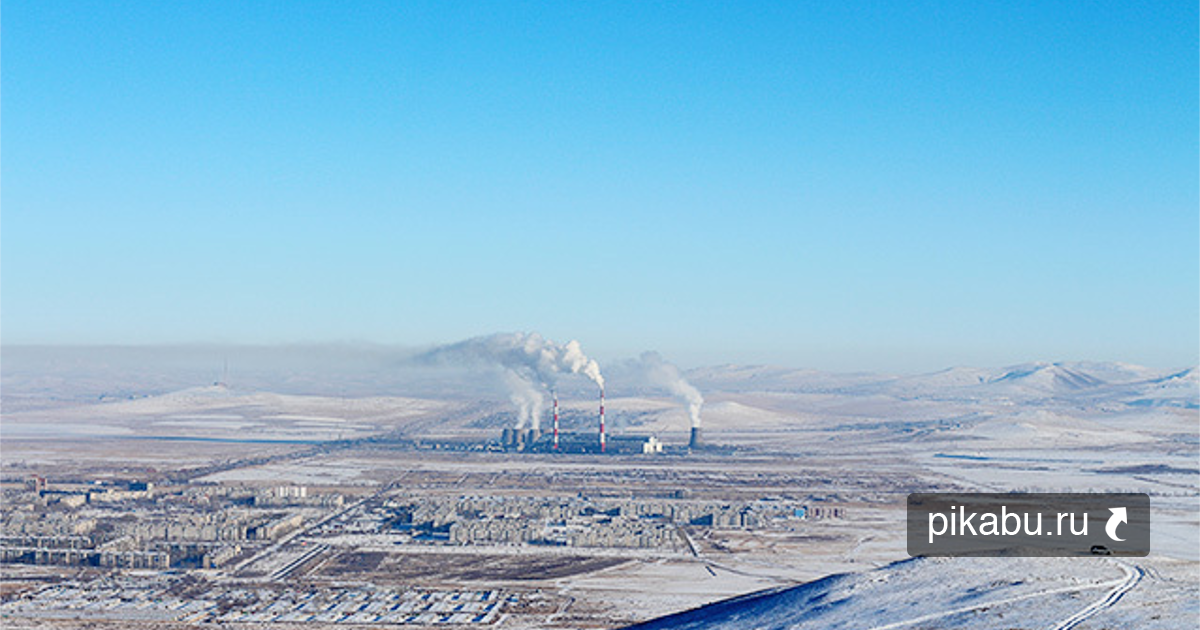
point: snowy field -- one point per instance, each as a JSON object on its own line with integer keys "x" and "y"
{"x": 964, "y": 593}
{"x": 218, "y": 413}
{"x": 857, "y": 439}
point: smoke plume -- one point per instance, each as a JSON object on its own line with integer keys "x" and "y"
{"x": 529, "y": 365}
{"x": 526, "y": 396}
{"x": 658, "y": 372}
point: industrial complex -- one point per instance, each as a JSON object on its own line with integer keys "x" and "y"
{"x": 535, "y": 440}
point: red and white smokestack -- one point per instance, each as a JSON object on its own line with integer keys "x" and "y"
{"x": 556, "y": 421}
{"x": 602, "y": 445}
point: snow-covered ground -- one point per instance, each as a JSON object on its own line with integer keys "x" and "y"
{"x": 218, "y": 413}
{"x": 1086, "y": 427}
{"x": 964, "y": 593}
{"x": 1051, "y": 427}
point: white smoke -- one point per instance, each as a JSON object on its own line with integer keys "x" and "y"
{"x": 577, "y": 363}
{"x": 526, "y": 396}
{"x": 658, "y": 372}
{"x": 529, "y": 364}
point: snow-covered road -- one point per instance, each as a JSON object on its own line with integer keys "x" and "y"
{"x": 1133, "y": 575}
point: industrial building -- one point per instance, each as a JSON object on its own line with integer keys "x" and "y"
{"x": 534, "y": 440}
{"x": 577, "y": 442}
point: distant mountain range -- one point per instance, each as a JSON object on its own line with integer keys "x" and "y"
{"x": 37, "y": 376}
{"x": 1092, "y": 382}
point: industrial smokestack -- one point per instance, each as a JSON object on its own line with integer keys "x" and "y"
{"x": 556, "y": 421}
{"x": 697, "y": 440}
{"x": 602, "y": 444}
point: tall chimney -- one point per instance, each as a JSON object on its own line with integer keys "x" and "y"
{"x": 697, "y": 440}
{"x": 556, "y": 421}
{"x": 602, "y": 445}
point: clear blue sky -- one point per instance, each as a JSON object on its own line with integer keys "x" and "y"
{"x": 860, "y": 185}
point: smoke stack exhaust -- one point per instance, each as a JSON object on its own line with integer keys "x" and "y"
{"x": 602, "y": 444}
{"x": 697, "y": 440}
{"x": 556, "y": 422}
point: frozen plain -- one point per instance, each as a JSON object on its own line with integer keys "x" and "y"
{"x": 1035, "y": 427}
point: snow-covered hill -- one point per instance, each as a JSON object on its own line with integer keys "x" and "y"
{"x": 1080, "y": 383}
{"x": 959, "y": 593}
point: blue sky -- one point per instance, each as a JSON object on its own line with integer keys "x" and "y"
{"x": 890, "y": 185}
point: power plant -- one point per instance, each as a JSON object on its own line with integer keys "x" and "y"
{"x": 532, "y": 440}
{"x": 529, "y": 366}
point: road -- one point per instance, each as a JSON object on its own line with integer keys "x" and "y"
{"x": 1118, "y": 588}
{"x": 1133, "y": 575}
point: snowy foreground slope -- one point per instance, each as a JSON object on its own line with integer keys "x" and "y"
{"x": 966, "y": 593}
